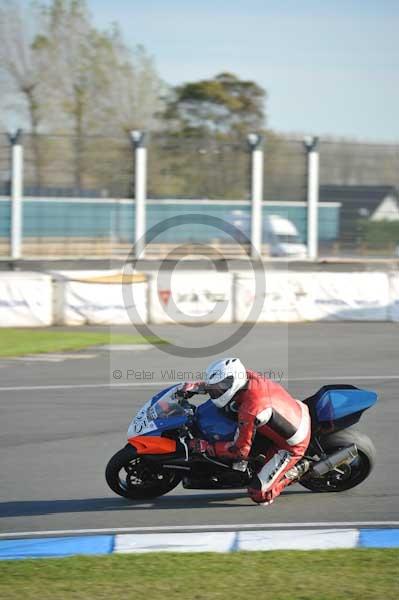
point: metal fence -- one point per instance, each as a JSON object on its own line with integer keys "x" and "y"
{"x": 364, "y": 179}
{"x": 93, "y": 166}
{"x": 197, "y": 168}
{"x": 79, "y": 195}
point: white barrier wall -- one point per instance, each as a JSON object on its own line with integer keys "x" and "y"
{"x": 393, "y": 312}
{"x": 101, "y": 300}
{"x": 191, "y": 296}
{"x": 30, "y": 299}
{"x": 26, "y": 300}
{"x": 293, "y": 297}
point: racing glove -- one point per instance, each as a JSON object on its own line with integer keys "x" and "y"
{"x": 188, "y": 390}
{"x": 201, "y": 447}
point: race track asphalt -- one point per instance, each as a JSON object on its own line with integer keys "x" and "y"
{"x": 61, "y": 422}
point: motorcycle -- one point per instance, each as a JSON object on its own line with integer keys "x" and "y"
{"x": 157, "y": 456}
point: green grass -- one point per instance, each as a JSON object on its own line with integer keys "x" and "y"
{"x": 20, "y": 341}
{"x": 317, "y": 575}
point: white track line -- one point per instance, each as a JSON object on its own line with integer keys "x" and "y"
{"x": 170, "y": 528}
{"x": 150, "y": 384}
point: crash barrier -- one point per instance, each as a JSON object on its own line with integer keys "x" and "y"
{"x": 315, "y": 296}
{"x": 225, "y": 297}
{"x": 95, "y": 298}
{"x": 110, "y": 298}
{"x": 191, "y": 296}
{"x": 25, "y": 300}
{"x": 116, "y": 299}
{"x": 204, "y": 541}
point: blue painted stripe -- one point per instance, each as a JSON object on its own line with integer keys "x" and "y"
{"x": 105, "y": 544}
{"x": 53, "y": 547}
{"x": 379, "y": 538}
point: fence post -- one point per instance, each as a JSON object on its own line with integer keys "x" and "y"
{"x": 312, "y": 196}
{"x": 254, "y": 142}
{"x": 16, "y": 193}
{"x": 140, "y": 190}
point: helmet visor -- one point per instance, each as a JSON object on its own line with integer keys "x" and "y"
{"x": 215, "y": 390}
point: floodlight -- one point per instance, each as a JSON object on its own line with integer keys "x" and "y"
{"x": 310, "y": 143}
{"x": 254, "y": 140}
{"x": 137, "y": 138}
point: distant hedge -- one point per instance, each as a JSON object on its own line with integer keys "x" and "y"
{"x": 379, "y": 234}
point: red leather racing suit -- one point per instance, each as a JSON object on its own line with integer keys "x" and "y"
{"x": 267, "y": 408}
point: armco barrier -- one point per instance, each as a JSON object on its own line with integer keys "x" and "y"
{"x": 92, "y": 298}
{"x": 197, "y": 296}
{"x": 211, "y": 541}
{"x": 25, "y": 300}
{"x": 96, "y": 298}
{"x": 315, "y": 296}
{"x": 207, "y": 296}
{"x": 393, "y": 311}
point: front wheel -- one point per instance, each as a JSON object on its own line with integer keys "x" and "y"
{"x": 344, "y": 477}
{"x": 130, "y": 476}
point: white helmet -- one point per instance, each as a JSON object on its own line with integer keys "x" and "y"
{"x": 223, "y": 379}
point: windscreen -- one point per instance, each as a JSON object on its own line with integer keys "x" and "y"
{"x": 167, "y": 407}
{"x": 151, "y": 416}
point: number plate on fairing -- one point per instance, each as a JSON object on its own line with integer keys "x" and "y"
{"x": 141, "y": 423}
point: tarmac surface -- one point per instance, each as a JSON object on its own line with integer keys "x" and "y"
{"x": 62, "y": 417}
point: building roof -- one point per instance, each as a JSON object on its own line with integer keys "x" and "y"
{"x": 358, "y": 196}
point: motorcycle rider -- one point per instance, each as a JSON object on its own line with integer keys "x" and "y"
{"x": 263, "y": 406}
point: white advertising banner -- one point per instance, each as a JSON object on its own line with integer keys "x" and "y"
{"x": 295, "y": 296}
{"x": 278, "y": 302}
{"x": 25, "y": 300}
{"x": 191, "y": 297}
{"x": 101, "y": 300}
{"x": 351, "y": 296}
{"x": 394, "y": 297}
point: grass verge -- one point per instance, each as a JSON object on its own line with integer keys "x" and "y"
{"x": 317, "y": 575}
{"x": 20, "y": 341}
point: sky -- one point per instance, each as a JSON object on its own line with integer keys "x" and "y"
{"x": 330, "y": 67}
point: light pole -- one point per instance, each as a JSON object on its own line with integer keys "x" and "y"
{"x": 140, "y": 190}
{"x": 311, "y": 144}
{"x": 16, "y": 193}
{"x": 255, "y": 145}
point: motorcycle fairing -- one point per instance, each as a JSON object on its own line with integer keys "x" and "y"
{"x": 338, "y": 406}
{"x": 162, "y": 412}
{"x": 335, "y": 404}
{"x": 214, "y": 424}
{"x": 148, "y": 423}
{"x": 145, "y": 444}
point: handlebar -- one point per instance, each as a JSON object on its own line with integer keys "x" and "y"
{"x": 184, "y": 403}
{"x": 201, "y": 389}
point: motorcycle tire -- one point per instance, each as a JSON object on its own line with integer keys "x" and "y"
{"x": 149, "y": 483}
{"x": 351, "y": 475}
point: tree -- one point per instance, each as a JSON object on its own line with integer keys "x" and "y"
{"x": 104, "y": 88}
{"x": 202, "y": 150}
{"x": 225, "y": 106}
{"x": 69, "y": 77}
{"x": 23, "y": 62}
{"x": 76, "y": 50}
{"x": 136, "y": 93}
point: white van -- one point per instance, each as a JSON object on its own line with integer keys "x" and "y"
{"x": 283, "y": 238}
{"x": 278, "y": 232}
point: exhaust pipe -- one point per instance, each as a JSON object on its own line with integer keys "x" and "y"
{"x": 342, "y": 457}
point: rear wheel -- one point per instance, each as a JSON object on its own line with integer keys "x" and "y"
{"x": 344, "y": 477}
{"x": 131, "y": 476}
